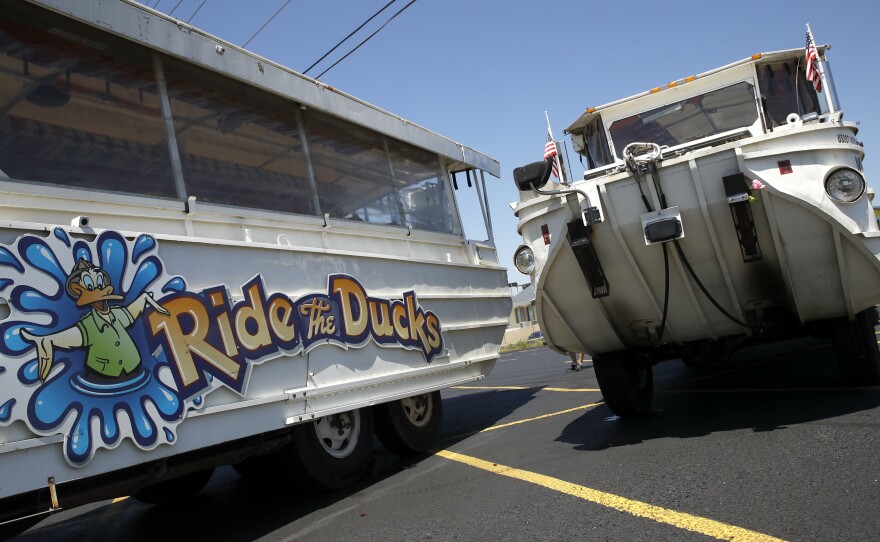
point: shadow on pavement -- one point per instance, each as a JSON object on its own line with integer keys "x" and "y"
{"x": 763, "y": 389}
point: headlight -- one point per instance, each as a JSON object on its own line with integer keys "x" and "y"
{"x": 845, "y": 185}
{"x": 524, "y": 260}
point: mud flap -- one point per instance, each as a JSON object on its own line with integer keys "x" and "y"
{"x": 740, "y": 209}
{"x": 585, "y": 252}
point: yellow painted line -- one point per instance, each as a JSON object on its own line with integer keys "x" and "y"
{"x": 120, "y": 499}
{"x": 543, "y": 416}
{"x": 518, "y": 422}
{"x": 522, "y": 388}
{"x": 681, "y": 520}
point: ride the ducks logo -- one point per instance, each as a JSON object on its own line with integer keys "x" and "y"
{"x": 101, "y": 345}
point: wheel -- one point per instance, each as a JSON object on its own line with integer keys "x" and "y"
{"x": 410, "y": 425}
{"x": 175, "y": 490}
{"x": 332, "y": 452}
{"x": 627, "y": 383}
{"x": 855, "y": 343}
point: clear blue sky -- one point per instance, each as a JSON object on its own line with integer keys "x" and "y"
{"x": 483, "y": 72}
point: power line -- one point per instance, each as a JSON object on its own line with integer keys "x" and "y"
{"x": 196, "y": 11}
{"x": 175, "y": 7}
{"x": 348, "y": 36}
{"x": 366, "y": 39}
{"x": 267, "y": 22}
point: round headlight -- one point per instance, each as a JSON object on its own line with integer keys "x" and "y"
{"x": 524, "y": 260}
{"x": 845, "y": 185}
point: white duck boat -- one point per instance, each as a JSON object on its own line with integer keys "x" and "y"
{"x": 719, "y": 210}
{"x": 207, "y": 258}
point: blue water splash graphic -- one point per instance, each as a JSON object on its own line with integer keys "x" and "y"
{"x": 61, "y": 235}
{"x": 142, "y": 245}
{"x": 9, "y": 260}
{"x": 6, "y": 410}
{"x": 176, "y": 284}
{"x": 137, "y": 405}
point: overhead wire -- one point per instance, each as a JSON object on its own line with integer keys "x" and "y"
{"x": 348, "y": 36}
{"x": 401, "y": 10}
{"x": 196, "y": 11}
{"x": 175, "y": 7}
{"x": 267, "y": 22}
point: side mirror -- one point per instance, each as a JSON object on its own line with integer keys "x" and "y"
{"x": 535, "y": 174}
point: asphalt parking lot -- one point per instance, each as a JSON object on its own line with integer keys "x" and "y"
{"x": 769, "y": 447}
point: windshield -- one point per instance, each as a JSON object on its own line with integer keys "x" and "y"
{"x": 702, "y": 116}
{"x": 785, "y": 90}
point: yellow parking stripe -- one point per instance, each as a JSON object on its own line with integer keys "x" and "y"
{"x": 521, "y": 388}
{"x": 541, "y": 417}
{"x": 681, "y": 520}
{"x": 518, "y": 422}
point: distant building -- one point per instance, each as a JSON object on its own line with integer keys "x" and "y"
{"x": 523, "y": 319}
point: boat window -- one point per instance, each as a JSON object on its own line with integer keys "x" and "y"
{"x": 364, "y": 176}
{"x": 422, "y": 190}
{"x": 695, "y": 118}
{"x": 785, "y": 90}
{"x": 80, "y": 112}
{"x": 352, "y": 171}
{"x": 237, "y": 146}
{"x": 596, "y": 150}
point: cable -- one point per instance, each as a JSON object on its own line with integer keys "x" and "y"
{"x": 366, "y": 40}
{"x": 690, "y": 269}
{"x": 175, "y": 7}
{"x": 348, "y": 36}
{"x": 267, "y": 22}
{"x": 196, "y": 11}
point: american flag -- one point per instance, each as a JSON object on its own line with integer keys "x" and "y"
{"x": 550, "y": 151}
{"x": 813, "y": 62}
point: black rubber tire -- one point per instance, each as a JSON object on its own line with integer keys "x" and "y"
{"x": 310, "y": 462}
{"x": 410, "y": 426}
{"x": 175, "y": 490}
{"x": 627, "y": 384}
{"x": 858, "y": 354}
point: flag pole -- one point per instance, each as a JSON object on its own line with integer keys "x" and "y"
{"x": 820, "y": 64}
{"x": 556, "y": 158}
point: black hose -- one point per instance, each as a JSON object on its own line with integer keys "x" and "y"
{"x": 690, "y": 269}
{"x": 647, "y": 203}
{"x": 665, "y": 295}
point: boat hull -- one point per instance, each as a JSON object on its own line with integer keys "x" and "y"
{"x": 426, "y": 276}
{"x": 817, "y": 259}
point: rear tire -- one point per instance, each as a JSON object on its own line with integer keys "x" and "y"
{"x": 332, "y": 452}
{"x": 858, "y": 354}
{"x": 411, "y": 425}
{"x": 175, "y": 490}
{"x": 627, "y": 383}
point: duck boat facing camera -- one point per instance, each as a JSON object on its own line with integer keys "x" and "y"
{"x": 720, "y": 210}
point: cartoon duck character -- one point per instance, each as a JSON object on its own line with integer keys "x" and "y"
{"x": 103, "y": 330}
